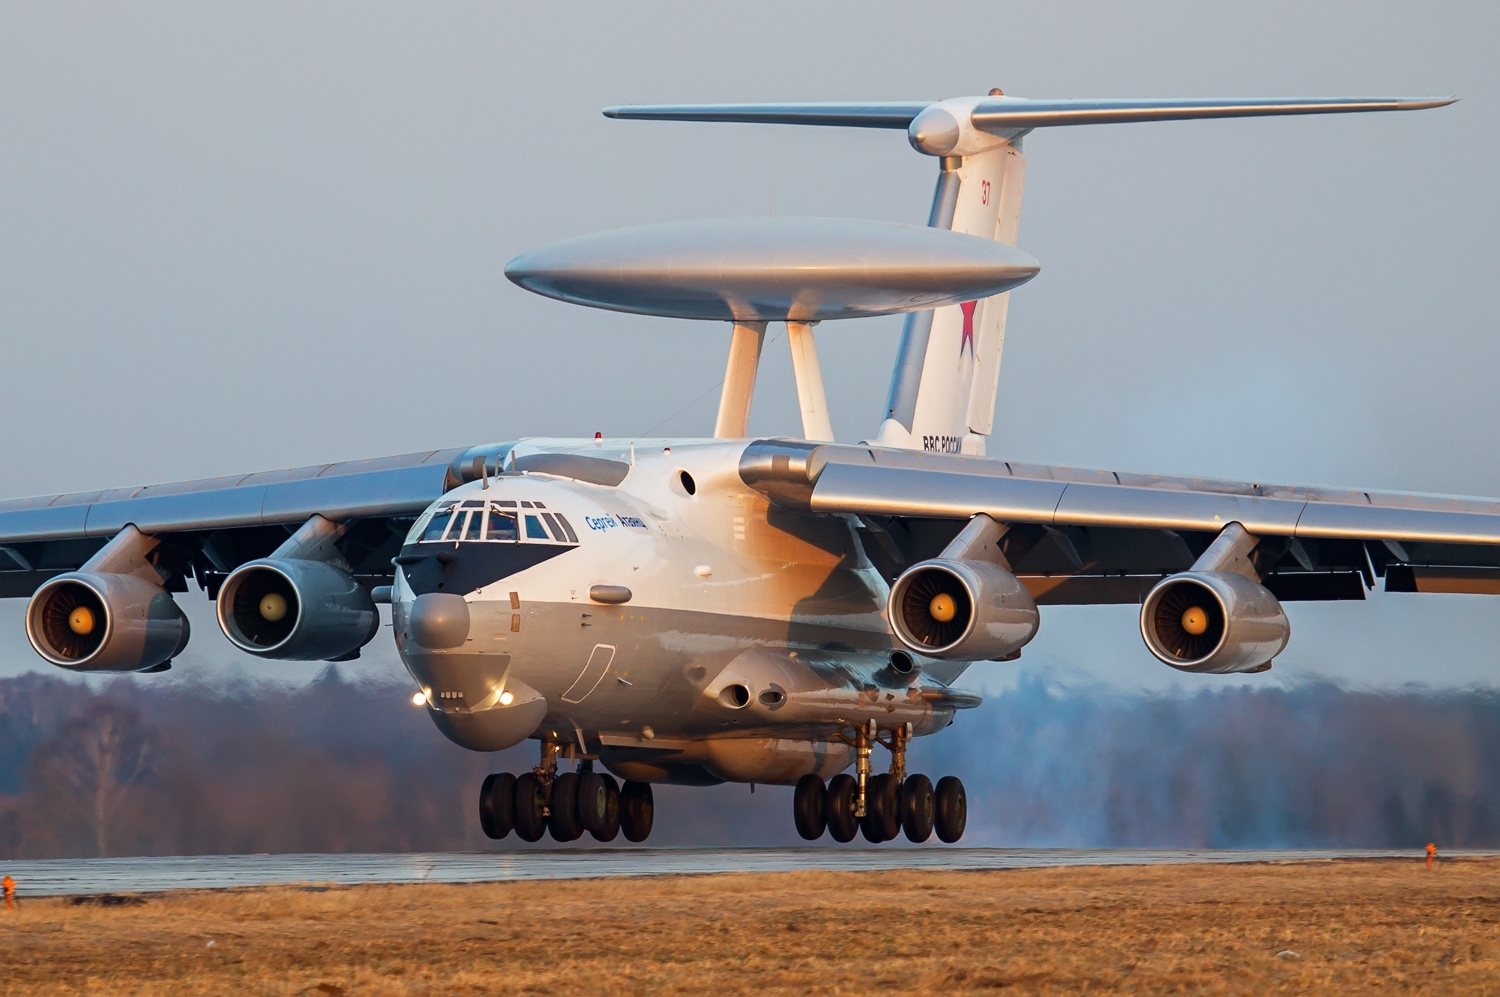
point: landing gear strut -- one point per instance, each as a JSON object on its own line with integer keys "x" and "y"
{"x": 880, "y": 805}
{"x": 566, "y": 804}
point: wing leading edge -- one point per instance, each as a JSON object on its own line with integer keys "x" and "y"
{"x": 1103, "y": 536}
{"x": 210, "y": 526}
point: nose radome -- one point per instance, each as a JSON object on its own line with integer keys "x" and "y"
{"x": 439, "y": 620}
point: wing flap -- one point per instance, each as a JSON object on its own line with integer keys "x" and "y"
{"x": 1442, "y": 578}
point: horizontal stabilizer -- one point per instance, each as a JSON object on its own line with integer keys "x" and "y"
{"x": 1010, "y": 116}
{"x": 891, "y": 114}
{"x": 1005, "y": 114}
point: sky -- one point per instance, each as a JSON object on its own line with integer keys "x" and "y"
{"x": 246, "y": 236}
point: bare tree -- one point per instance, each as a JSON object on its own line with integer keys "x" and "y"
{"x": 100, "y": 754}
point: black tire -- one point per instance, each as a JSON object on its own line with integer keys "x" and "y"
{"x": 839, "y": 807}
{"x": 918, "y": 808}
{"x": 882, "y": 820}
{"x": 808, "y": 807}
{"x": 637, "y": 810}
{"x": 531, "y": 808}
{"x": 563, "y": 821}
{"x": 611, "y": 826}
{"x": 593, "y": 803}
{"x": 951, "y": 809}
{"x": 497, "y": 805}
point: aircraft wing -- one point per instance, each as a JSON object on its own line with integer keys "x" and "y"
{"x": 1090, "y": 537}
{"x": 213, "y": 525}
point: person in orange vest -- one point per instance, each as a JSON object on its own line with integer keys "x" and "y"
{"x": 1431, "y": 855}
{"x": 10, "y": 892}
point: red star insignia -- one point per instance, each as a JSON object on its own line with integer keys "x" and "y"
{"x": 968, "y": 310}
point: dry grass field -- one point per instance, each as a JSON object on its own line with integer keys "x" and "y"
{"x": 1298, "y": 927}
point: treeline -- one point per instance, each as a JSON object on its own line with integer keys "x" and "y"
{"x": 1309, "y": 767}
{"x": 141, "y": 766}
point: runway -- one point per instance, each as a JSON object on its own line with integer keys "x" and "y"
{"x": 63, "y": 877}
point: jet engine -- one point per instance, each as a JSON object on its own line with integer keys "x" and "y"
{"x": 296, "y": 610}
{"x": 1213, "y": 622}
{"x": 112, "y": 615}
{"x": 100, "y": 622}
{"x": 962, "y": 610}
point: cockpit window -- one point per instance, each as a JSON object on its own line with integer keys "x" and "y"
{"x": 435, "y": 528}
{"x": 494, "y": 520}
{"x": 554, "y": 529}
{"x": 502, "y": 526}
{"x": 567, "y": 528}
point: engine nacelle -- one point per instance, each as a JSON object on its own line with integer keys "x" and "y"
{"x": 962, "y": 610}
{"x": 102, "y": 622}
{"x": 296, "y": 610}
{"x": 1213, "y": 622}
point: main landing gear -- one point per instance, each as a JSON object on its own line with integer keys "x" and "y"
{"x": 880, "y": 806}
{"x": 566, "y": 804}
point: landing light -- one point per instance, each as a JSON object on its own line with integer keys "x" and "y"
{"x": 506, "y": 699}
{"x": 419, "y": 699}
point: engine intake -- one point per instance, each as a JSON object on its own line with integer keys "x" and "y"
{"x": 1213, "y": 622}
{"x": 104, "y": 622}
{"x": 296, "y": 610}
{"x": 962, "y": 610}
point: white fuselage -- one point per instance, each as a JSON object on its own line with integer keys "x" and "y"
{"x": 689, "y": 610}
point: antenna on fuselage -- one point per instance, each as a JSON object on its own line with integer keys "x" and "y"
{"x": 753, "y": 271}
{"x": 942, "y": 394}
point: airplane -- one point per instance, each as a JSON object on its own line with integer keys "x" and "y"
{"x": 734, "y": 609}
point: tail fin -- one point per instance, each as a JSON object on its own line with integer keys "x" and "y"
{"x": 942, "y": 393}
{"x": 943, "y": 388}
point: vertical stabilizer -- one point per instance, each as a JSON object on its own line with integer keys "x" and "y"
{"x": 943, "y": 389}
{"x": 991, "y": 338}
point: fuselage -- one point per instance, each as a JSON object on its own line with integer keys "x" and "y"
{"x": 653, "y": 610}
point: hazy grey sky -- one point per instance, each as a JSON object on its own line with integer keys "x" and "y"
{"x": 235, "y": 237}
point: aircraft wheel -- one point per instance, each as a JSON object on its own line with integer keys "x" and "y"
{"x": 531, "y": 808}
{"x": 637, "y": 810}
{"x": 808, "y": 807}
{"x": 593, "y": 803}
{"x": 839, "y": 808}
{"x": 497, "y": 805}
{"x": 611, "y": 826}
{"x": 951, "y": 809}
{"x": 882, "y": 820}
{"x": 563, "y": 822}
{"x": 918, "y": 807}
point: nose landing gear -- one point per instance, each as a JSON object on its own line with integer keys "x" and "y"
{"x": 566, "y": 804}
{"x": 880, "y": 806}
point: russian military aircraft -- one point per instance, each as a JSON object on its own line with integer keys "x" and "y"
{"x": 695, "y": 611}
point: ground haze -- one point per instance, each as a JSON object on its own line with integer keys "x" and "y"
{"x": 1304, "y": 927}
